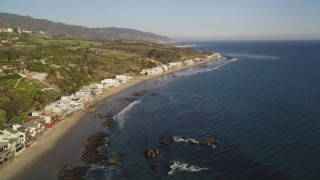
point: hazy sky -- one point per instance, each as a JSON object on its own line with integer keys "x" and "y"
{"x": 217, "y": 19}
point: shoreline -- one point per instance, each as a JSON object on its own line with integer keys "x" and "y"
{"x": 51, "y": 136}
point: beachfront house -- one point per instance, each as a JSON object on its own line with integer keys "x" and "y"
{"x": 153, "y": 71}
{"x": 85, "y": 93}
{"x": 107, "y": 83}
{"x": 77, "y": 102}
{"x": 6, "y": 153}
{"x": 165, "y": 67}
{"x": 215, "y": 55}
{"x": 57, "y": 107}
{"x": 69, "y": 104}
{"x": 98, "y": 85}
{"x": 197, "y": 59}
{"x": 188, "y": 62}
{"x": 156, "y": 70}
{"x": 32, "y": 128}
{"x": 36, "y": 113}
{"x": 16, "y": 139}
{"x": 123, "y": 78}
{"x": 96, "y": 90}
{"x": 174, "y": 65}
{"x": 51, "y": 119}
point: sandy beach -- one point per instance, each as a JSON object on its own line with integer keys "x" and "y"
{"x": 52, "y": 136}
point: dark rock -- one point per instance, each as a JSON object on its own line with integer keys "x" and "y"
{"x": 152, "y": 154}
{"x": 112, "y": 161}
{"x": 164, "y": 142}
{"x": 154, "y": 167}
{"x": 73, "y": 173}
{"x": 91, "y": 154}
{"x": 136, "y": 94}
{"x": 210, "y": 142}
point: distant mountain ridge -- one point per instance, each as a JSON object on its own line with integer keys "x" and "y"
{"x": 63, "y": 30}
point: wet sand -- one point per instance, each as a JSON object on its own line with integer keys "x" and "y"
{"x": 52, "y": 136}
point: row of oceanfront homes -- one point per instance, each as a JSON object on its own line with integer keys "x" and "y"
{"x": 17, "y": 137}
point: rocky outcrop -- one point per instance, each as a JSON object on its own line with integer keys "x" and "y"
{"x": 152, "y": 154}
{"x": 112, "y": 161}
{"x": 210, "y": 143}
{"x": 154, "y": 167}
{"x": 164, "y": 142}
{"x": 91, "y": 154}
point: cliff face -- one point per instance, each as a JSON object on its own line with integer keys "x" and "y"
{"x": 63, "y": 30}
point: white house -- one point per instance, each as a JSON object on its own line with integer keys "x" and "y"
{"x": 6, "y": 152}
{"x": 174, "y": 65}
{"x": 15, "y": 139}
{"x": 197, "y": 59}
{"x": 153, "y": 71}
{"x": 214, "y": 56}
{"x": 33, "y": 128}
{"x": 77, "y": 101}
{"x": 85, "y": 92}
{"x": 110, "y": 83}
{"x": 123, "y": 78}
{"x": 188, "y": 62}
{"x": 98, "y": 85}
{"x": 36, "y": 113}
{"x": 156, "y": 70}
{"x": 56, "y": 107}
{"x": 165, "y": 67}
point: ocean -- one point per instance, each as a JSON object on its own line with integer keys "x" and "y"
{"x": 263, "y": 107}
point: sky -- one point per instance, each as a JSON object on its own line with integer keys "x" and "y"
{"x": 193, "y": 19}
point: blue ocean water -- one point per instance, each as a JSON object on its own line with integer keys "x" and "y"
{"x": 264, "y": 108}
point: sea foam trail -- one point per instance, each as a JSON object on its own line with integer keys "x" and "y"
{"x": 179, "y": 166}
{"x": 179, "y": 139}
{"x": 120, "y": 116}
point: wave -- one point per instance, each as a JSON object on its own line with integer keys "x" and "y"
{"x": 98, "y": 171}
{"x": 178, "y": 166}
{"x": 218, "y": 66}
{"x": 254, "y": 56}
{"x": 179, "y": 139}
{"x": 120, "y": 116}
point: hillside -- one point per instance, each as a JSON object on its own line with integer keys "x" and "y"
{"x": 68, "y": 65}
{"x": 128, "y": 34}
{"x": 66, "y": 31}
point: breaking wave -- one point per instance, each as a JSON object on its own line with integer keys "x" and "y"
{"x": 176, "y": 166}
{"x": 179, "y": 139}
{"x": 120, "y": 116}
{"x": 98, "y": 171}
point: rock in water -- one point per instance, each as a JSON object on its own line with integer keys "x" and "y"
{"x": 152, "y": 154}
{"x": 154, "y": 167}
{"x": 164, "y": 142}
{"x": 210, "y": 142}
{"x": 112, "y": 161}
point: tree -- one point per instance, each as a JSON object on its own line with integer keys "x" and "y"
{"x": 18, "y": 119}
{"x": 3, "y": 117}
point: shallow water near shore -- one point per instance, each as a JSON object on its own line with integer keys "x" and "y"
{"x": 263, "y": 108}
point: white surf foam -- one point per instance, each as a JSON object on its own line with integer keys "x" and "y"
{"x": 179, "y": 139}
{"x": 120, "y": 116}
{"x": 179, "y": 166}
